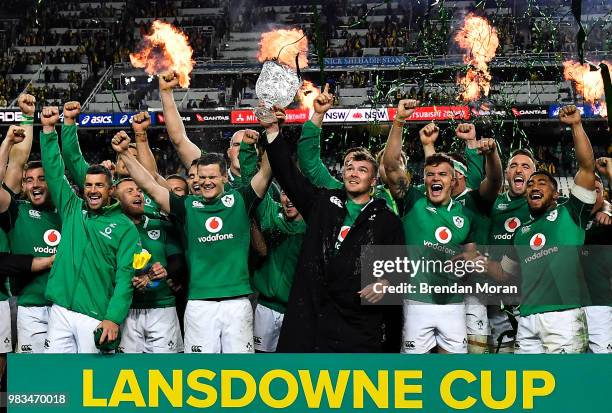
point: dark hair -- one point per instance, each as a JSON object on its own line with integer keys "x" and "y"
{"x": 176, "y": 176}
{"x": 32, "y": 165}
{"x": 365, "y": 155}
{"x": 438, "y": 158}
{"x": 456, "y": 156}
{"x": 547, "y": 174}
{"x": 525, "y": 152}
{"x": 100, "y": 170}
{"x": 213, "y": 158}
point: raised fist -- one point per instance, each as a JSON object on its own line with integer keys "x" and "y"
{"x": 71, "y": 111}
{"x": 466, "y": 131}
{"x": 27, "y": 104}
{"x": 168, "y": 81}
{"x": 250, "y": 137}
{"x": 324, "y": 101}
{"x": 604, "y": 166}
{"x": 121, "y": 142}
{"x": 428, "y": 134}
{"x": 15, "y": 134}
{"x": 141, "y": 122}
{"x": 570, "y": 115}
{"x": 108, "y": 164}
{"x": 406, "y": 108}
{"x": 49, "y": 116}
{"x": 486, "y": 146}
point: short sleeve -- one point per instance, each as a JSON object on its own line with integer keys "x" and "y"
{"x": 580, "y": 204}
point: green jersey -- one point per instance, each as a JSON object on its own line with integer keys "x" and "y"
{"x": 435, "y": 232}
{"x": 596, "y": 261}
{"x": 507, "y": 215}
{"x": 481, "y": 210}
{"x": 156, "y": 239}
{"x": 352, "y": 212}
{"x": 274, "y": 278}
{"x": 551, "y": 275}
{"x": 311, "y": 165}
{"x": 217, "y": 236}
{"x": 4, "y": 247}
{"x": 36, "y": 232}
{"x": 77, "y": 166}
{"x": 93, "y": 268}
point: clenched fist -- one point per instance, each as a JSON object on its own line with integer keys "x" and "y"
{"x": 141, "y": 122}
{"x": 486, "y": 146}
{"x": 71, "y": 112}
{"x": 168, "y": 81}
{"x": 250, "y": 137}
{"x": 406, "y": 108}
{"x": 49, "y": 117}
{"x": 428, "y": 134}
{"x": 121, "y": 142}
{"x": 15, "y": 134}
{"x": 570, "y": 115}
{"x": 466, "y": 131}
{"x": 27, "y": 104}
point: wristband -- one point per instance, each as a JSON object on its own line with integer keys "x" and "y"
{"x": 27, "y": 120}
{"x": 140, "y": 133}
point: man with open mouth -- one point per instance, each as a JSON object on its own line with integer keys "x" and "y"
{"x": 90, "y": 284}
{"x": 547, "y": 255}
{"x": 33, "y": 227}
{"x": 436, "y": 228}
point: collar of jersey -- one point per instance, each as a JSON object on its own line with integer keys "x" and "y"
{"x": 105, "y": 210}
{"x": 465, "y": 191}
{"x": 448, "y": 207}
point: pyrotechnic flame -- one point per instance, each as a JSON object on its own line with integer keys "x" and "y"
{"x": 479, "y": 40}
{"x": 288, "y": 42}
{"x": 588, "y": 83}
{"x": 166, "y": 49}
{"x": 307, "y": 94}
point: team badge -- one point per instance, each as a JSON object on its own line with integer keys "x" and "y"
{"x": 343, "y": 232}
{"x": 197, "y": 204}
{"x": 52, "y": 237}
{"x": 154, "y": 234}
{"x": 525, "y": 229}
{"x": 511, "y": 224}
{"x": 336, "y": 201}
{"x": 502, "y": 207}
{"x": 443, "y": 235}
{"x": 458, "y": 221}
{"x": 228, "y": 200}
{"x": 537, "y": 241}
{"x": 552, "y": 216}
{"x": 214, "y": 224}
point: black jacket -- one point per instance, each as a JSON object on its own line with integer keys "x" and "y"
{"x": 324, "y": 313}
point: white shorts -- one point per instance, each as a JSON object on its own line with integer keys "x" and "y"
{"x": 224, "y": 326}
{"x": 151, "y": 330}
{"x": 553, "y": 332}
{"x": 499, "y": 323}
{"x": 430, "y": 325}
{"x": 32, "y": 323}
{"x": 6, "y": 343}
{"x": 599, "y": 321}
{"x": 476, "y": 318}
{"x": 70, "y": 332}
{"x": 267, "y": 325}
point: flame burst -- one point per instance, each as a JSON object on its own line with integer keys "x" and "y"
{"x": 166, "y": 49}
{"x": 479, "y": 40}
{"x": 289, "y": 43}
{"x": 307, "y": 94}
{"x": 588, "y": 83}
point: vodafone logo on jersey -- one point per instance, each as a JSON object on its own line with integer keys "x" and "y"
{"x": 52, "y": 237}
{"x": 343, "y": 232}
{"x": 443, "y": 235}
{"x": 214, "y": 224}
{"x": 537, "y": 241}
{"x": 511, "y": 224}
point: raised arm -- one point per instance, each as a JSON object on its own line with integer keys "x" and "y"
{"x": 140, "y": 123}
{"x": 20, "y": 153}
{"x": 14, "y": 136}
{"x": 71, "y": 151}
{"x": 397, "y": 180}
{"x": 187, "y": 150}
{"x": 585, "y": 177}
{"x": 309, "y": 145}
{"x": 60, "y": 190}
{"x": 139, "y": 174}
{"x": 261, "y": 179}
{"x": 248, "y": 155}
{"x": 475, "y": 162}
{"x": 490, "y": 186}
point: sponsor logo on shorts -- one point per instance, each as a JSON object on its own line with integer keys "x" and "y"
{"x": 443, "y": 235}
{"x": 249, "y": 346}
{"x": 7, "y": 340}
{"x": 26, "y": 348}
{"x": 214, "y": 224}
{"x": 511, "y": 224}
{"x": 47, "y": 343}
{"x": 171, "y": 345}
{"x": 409, "y": 345}
{"x": 537, "y": 242}
{"x": 196, "y": 349}
{"x": 257, "y": 340}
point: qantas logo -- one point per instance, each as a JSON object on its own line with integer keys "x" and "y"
{"x": 443, "y": 235}
{"x": 214, "y": 224}
{"x": 537, "y": 241}
{"x": 511, "y": 224}
{"x": 343, "y": 232}
{"x": 52, "y": 237}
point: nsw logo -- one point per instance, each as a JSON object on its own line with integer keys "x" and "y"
{"x": 343, "y": 232}
{"x": 228, "y": 200}
{"x": 511, "y": 224}
{"x": 52, "y": 237}
{"x": 443, "y": 235}
{"x": 537, "y": 241}
{"x": 214, "y": 224}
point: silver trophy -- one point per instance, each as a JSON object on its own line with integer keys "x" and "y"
{"x": 277, "y": 84}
